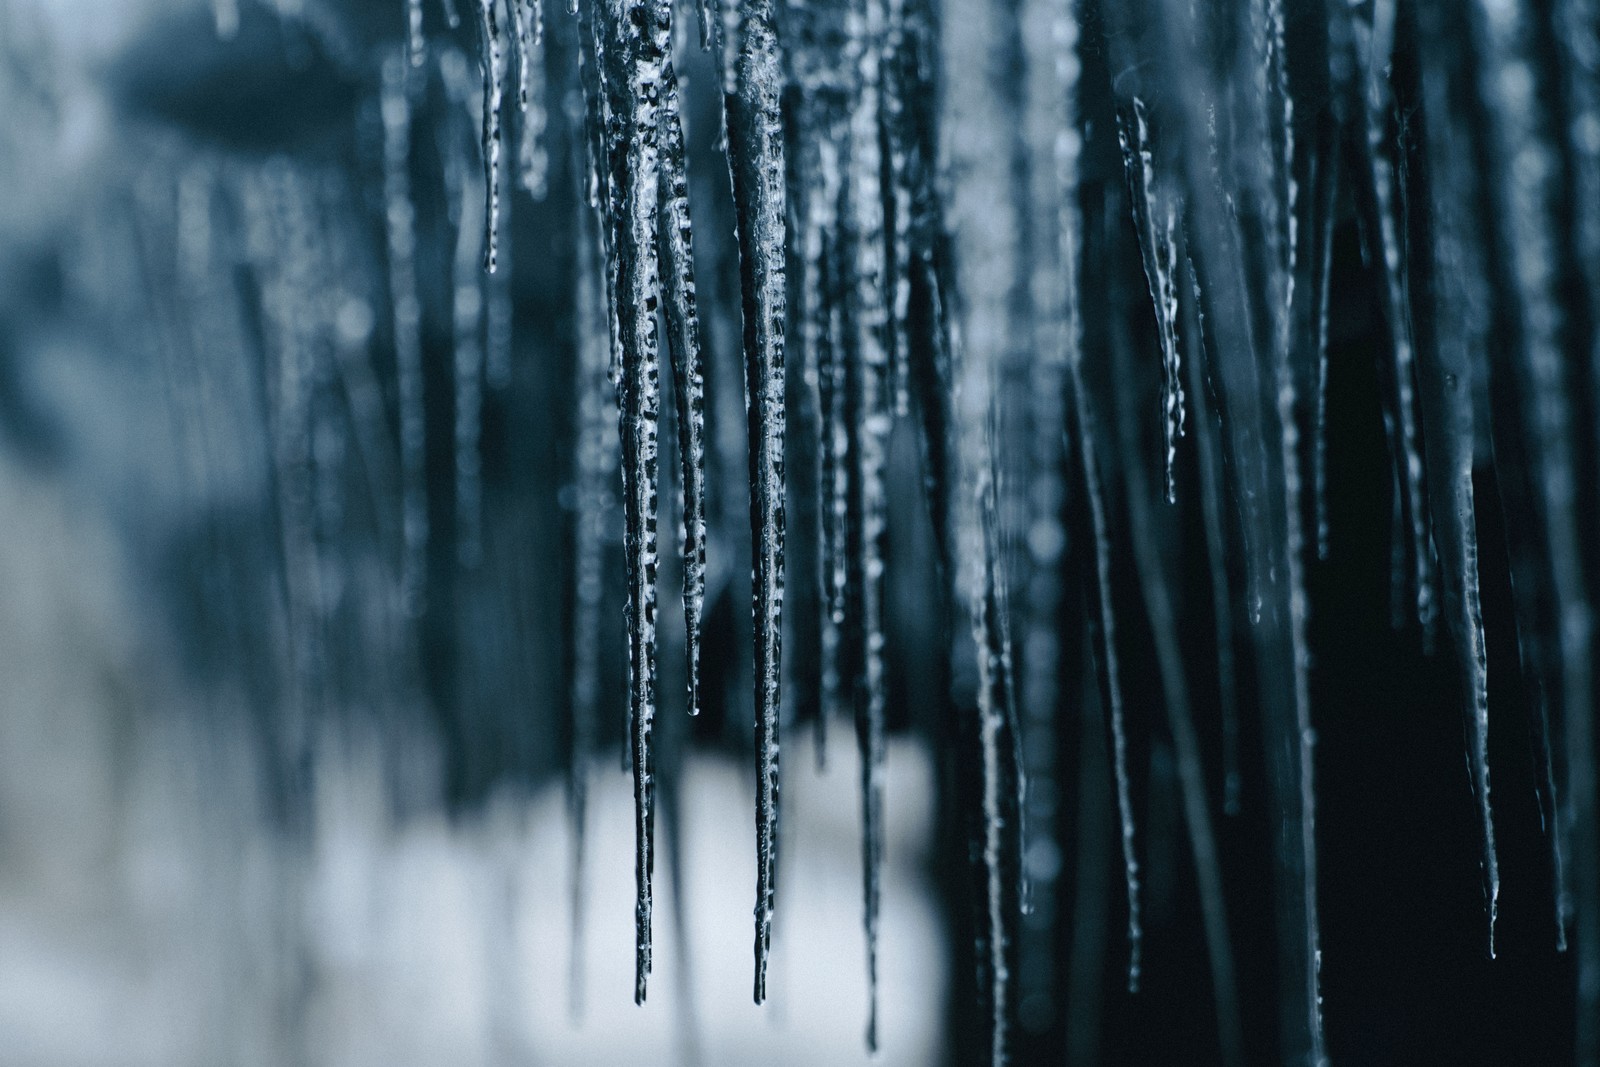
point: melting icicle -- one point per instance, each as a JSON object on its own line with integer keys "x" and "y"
{"x": 676, "y": 251}
{"x": 400, "y": 224}
{"x": 755, "y": 158}
{"x": 493, "y": 93}
{"x": 1156, "y": 219}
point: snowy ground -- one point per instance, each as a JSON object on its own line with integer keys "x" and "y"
{"x": 147, "y": 919}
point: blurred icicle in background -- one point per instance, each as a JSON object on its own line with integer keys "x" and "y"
{"x": 1168, "y": 432}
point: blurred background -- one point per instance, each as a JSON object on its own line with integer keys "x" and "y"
{"x": 313, "y": 678}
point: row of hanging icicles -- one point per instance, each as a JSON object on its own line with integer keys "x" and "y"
{"x": 857, "y": 274}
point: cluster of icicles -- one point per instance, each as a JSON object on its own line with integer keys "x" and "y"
{"x": 881, "y": 295}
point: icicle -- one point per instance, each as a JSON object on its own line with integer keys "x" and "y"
{"x": 1156, "y": 220}
{"x": 533, "y": 159}
{"x": 1002, "y": 785}
{"x": 1445, "y": 370}
{"x": 400, "y": 222}
{"x": 755, "y": 157}
{"x": 1328, "y": 178}
{"x": 452, "y": 17}
{"x": 1239, "y": 263}
{"x": 1211, "y": 504}
{"x": 676, "y": 251}
{"x": 1111, "y": 676}
{"x": 493, "y": 92}
{"x": 1070, "y": 225}
{"x": 897, "y": 166}
{"x": 868, "y": 424}
{"x": 1380, "y": 173}
{"x": 1155, "y": 583}
{"x": 1526, "y": 197}
{"x": 417, "y": 42}
{"x": 638, "y": 290}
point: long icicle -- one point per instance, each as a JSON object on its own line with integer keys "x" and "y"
{"x": 1155, "y": 584}
{"x": 676, "y": 251}
{"x": 1155, "y": 220}
{"x": 1380, "y": 174}
{"x": 638, "y": 292}
{"x": 868, "y": 402}
{"x": 1071, "y": 237}
{"x": 755, "y": 158}
{"x": 1525, "y": 196}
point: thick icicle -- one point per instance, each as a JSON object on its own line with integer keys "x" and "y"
{"x": 636, "y": 191}
{"x": 755, "y": 157}
{"x": 676, "y": 252}
{"x": 400, "y": 223}
{"x": 494, "y": 69}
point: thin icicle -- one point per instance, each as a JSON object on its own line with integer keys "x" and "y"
{"x": 1328, "y": 201}
{"x": 1111, "y": 676}
{"x": 1155, "y": 583}
{"x": 400, "y": 224}
{"x": 1002, "y": 786}
{"x": 676, "y": 252}
{"x": 1445, "y": 374}
{"x": 755, "y": 158}
{"x": 493, "y": 93}
{"x": 895, "y": 84}
{"x": 1213, "y": 511}
{"x": 1071, "y": 236}
{"x": 1525, "y": 194}
{"x": 638, "y": 291}
{"x": 1379, "y": 47}
{"x": 868, "y": 403}
{"x": 1155, "y": 216}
